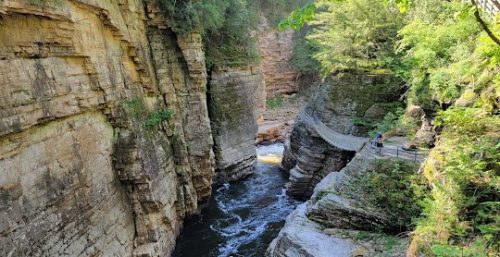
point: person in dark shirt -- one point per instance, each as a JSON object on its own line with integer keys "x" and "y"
{"x": 378, "y": 141}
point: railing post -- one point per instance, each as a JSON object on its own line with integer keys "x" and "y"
{"x": 397, "y": 152}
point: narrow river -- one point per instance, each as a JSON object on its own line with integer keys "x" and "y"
{"x": 242, "y": 217}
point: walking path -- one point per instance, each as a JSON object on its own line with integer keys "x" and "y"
{"x": 334, "y": 138}
{"x": 392, "y": 146}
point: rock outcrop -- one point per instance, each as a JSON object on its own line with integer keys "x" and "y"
{"x": 329, "y": 223}
{"x": 233, "y": 115}
{"x": 105, "y": 137}
{"x": 281, "y": 82}
{"x": 302, "y": 237}
{"x": 276, "y": 49}
{"x": 337, "y": 103}
{"x": 426, "y": 135}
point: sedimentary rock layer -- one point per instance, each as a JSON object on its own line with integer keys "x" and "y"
{"x": 105, "y": 139}
{"x": 337, "y": 103}
{"x": 328, "y": 224}
{"x": 276, "y": 49}
{"x": 234, "y": 119}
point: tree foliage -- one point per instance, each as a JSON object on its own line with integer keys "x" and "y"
{"x": 352, "y": 34}
{"x": 298, "y": 18}
{"x": 227, "y": 26}
{"x": 451, "y": 64}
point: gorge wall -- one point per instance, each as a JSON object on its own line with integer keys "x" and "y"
{"x": 233, "y": 99}
{"x": 337, "y": 103}
{"x": 276, "y": 49}
{"x": 281, "y": 82}
{"x": 105, "y": 135}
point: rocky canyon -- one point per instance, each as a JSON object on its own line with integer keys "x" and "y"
{"x": 203, "y": 128}
{"x": 106, "y": 135}
{"x": 112, "y": 128}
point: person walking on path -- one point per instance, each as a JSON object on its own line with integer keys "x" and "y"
{"x": 378, "y": 142}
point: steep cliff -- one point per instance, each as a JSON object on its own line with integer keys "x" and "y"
{"x": 281, "y": 82}
{"x": 232, "y": 110}
{"x": 340, "y": 100}
{"x": 342, "y": 218}
{"x": 276, "y": 49}
{"x": 105, "y": 135}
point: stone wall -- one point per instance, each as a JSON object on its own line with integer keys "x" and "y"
{"x": 233, "y": 115}
{"x": 59, "y": 195}
{"x": 85, "y": 170}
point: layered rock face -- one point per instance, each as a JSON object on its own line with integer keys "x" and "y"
{"x": 59, "y": 195}
{"x": 234, "y": 119}
{"x": 341, "y": 99}
{"x": 329, "y": 224}
{"x": 105, "y": 138}
{"x": 276, "y": 49}
{"x": 280, "y": 81}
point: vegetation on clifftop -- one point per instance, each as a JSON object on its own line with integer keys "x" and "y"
{"x": 446, "y": 53}
{"x": 227, "y": 26}
{"x": 395, "y": 188}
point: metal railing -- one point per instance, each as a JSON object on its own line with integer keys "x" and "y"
{"x": 489, "y": 6}
{"x": 400, "y": 152}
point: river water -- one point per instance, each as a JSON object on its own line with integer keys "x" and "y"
{"x": 242, "y": 217}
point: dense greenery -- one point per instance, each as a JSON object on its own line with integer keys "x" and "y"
{"x": 461, "y": 213}
{"x": 227, "y": 26}
{"x": 355, "y": 35}
{"x": 446, "y": 53}
{"x": 351, "y": 35}
{"x": 394, "y": 187}
{"x": 232, "y": 44}
{"x": 394, "y": 123}
{"x": 298, "y": 18}
{"x": 302, "y": 60}
{"x": 452, "y": 62}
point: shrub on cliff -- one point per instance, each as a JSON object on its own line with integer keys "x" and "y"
{"x": 447, "y": 53}
{"x": 396, "y": 189}
{"x": 227, "y": 26}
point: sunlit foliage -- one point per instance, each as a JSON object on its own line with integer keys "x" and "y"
{"x": 451, "y": 66}
{"x": 355, "y": 34}
{"x": 227, "y": 26}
